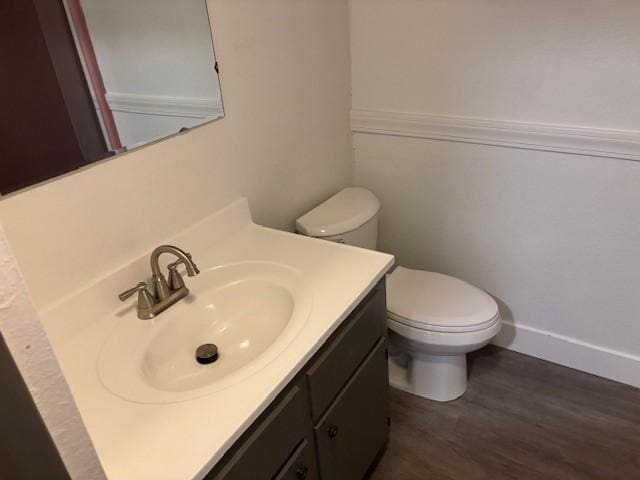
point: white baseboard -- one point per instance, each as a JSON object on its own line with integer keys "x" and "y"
{"x": 597, "y": 142}
{"x": 570, "y": 352}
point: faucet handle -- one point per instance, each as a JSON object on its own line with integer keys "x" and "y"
{"x": 175, "y": 279}
{"x": 141, "y": 287}
{"x": 145, "y": 300}
{"x": 180, "y": 261}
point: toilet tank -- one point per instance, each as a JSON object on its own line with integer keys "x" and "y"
{"x": 350, "y": 216}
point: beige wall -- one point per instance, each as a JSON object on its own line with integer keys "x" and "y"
{"x": 555, "y": 237}
{"x": 284, "y": 143}
{"x": 570, "y": 62}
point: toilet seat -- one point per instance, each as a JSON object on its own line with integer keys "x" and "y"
{"x": 439, "y": 328}
{"x": 438, "y": 303}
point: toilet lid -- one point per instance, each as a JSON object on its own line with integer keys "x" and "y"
{"x": 344, "y": 212}
{"x": 432, "y": 301}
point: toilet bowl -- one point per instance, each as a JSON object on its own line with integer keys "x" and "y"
{"x": 434, "y": 320}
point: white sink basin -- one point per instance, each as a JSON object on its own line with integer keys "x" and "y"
{"x": 251, "y": 311}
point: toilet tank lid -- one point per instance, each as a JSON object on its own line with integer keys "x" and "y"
{"x": 344, "y": 212}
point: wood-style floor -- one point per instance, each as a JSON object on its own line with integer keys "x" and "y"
{"x": 521, "y": 418}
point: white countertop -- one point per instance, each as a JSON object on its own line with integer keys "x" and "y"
{"x": 177, "y": 441}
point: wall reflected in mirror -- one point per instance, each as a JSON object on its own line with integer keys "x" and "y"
{"x": 149, "y": 64}
{"x": 84, "y": 80}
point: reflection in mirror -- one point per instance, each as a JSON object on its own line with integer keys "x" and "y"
{"x": 88, "y": 79}
{"x": 150, "y": 66}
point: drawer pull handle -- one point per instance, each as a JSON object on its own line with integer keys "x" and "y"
{"x": 301, "y": 473}
{"x": 332, "y": 431}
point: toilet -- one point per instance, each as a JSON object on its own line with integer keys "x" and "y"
{"x": 434, "y": 320}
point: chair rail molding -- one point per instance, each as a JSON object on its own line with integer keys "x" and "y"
{"x": 188, "y": 107}
{"x": 597, "y": 142}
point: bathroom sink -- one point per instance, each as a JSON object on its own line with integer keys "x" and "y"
{"x": 250, "y": 311}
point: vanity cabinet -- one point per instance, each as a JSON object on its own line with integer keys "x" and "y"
{"x": 273, "y": 439}
{"x": 355, "y": 427}
{"x": 332, "y": 420}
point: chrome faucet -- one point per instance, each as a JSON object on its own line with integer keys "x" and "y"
{"x": 166, "y": 293}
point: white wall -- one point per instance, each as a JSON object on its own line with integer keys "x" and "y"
{"x": 136, "y": 128}
{"x": 153, "y": 47}
{"x": 553, "y": 236}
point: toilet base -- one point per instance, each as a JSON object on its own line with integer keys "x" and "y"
{"x": 437, "y": 377}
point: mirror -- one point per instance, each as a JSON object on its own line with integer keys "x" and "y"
{"x": 89, "y": 79}
{"x": 149, "y": 64}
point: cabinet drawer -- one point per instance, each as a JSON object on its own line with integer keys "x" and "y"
{"x": 355, "y": 428}
{"x": 333, "y": 368}
{"x": 302, "y": 465}
{"x": 268, "y": 447}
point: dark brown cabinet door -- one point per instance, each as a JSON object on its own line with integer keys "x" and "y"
{"x": 302, "y": 464}
{"x": 355, "y": 428}
{"x": 266, "y": 450}
{"x": 336, "y": 364}
{"x": 48, "y": 124}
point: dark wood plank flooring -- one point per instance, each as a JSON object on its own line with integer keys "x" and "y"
{"x": 521, "y": 418}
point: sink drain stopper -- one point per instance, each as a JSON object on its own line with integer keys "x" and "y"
{"x": 206, "y": 354}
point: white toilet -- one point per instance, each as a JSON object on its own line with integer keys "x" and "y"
{"x": 434, "y": 320}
